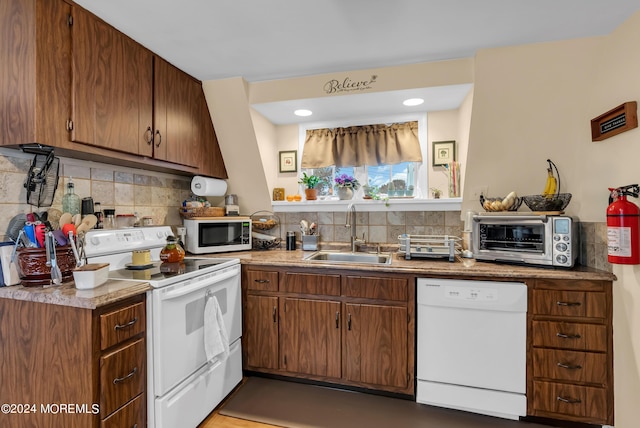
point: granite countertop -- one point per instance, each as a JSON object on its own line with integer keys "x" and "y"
{"x": 113, "y": 291}
{"x": 68, "y": 295}
{"x": 424, "y": 267}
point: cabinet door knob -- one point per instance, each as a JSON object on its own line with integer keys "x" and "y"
{"x": 337, "y": 319}
{"x": 349, "y": 322}
{"x": 275, "y": 318}
{"x": 159, "y": 138}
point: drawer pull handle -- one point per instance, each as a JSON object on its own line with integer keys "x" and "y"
{"x": 568, "y": 303}
{"x": 274, "y": 315}
{"x": 122, "y": 379}
{"x": 569, "y": 366}
{"x": 261, "y": 281}
{"x": 129, "y": 324}
{"x": 568, "y": 336}
{"x": 569, "y": 400}
{"x": 337, "y": 319}
{"x": 349, "y": 323}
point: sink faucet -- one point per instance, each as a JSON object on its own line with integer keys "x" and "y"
{"x": 351, "y": 223}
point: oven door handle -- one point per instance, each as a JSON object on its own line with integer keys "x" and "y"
{"x": 512, "y": 218}
{"x": 174, "y": 294}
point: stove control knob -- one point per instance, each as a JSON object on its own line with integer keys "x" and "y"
{"x": 95, "y": 240}
{"x": 159, "y": 234}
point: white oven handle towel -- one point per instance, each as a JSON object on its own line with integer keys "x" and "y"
{"x": 216, "y": 339}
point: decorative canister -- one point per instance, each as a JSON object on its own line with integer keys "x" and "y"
{"x": 33, "y": 269}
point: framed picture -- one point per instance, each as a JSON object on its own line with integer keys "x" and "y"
{"x": 444, "y": 152}
{"x": 289, "y": 161}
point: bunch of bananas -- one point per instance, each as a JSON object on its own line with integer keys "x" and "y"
{"x": 551, "y": 185}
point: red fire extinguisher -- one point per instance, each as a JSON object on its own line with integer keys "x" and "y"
{"x": 623, "y": 226}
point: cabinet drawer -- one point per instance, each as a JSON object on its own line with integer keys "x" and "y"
{"x": 569, "y": 303}
{"x": 261, "y": 280}
{"x": 133, "y": 414}
{"x": 310, "y": 283}
{"x": 582, "y": 402}
{"x": 122, "y": 376}
{"x": 573, "y": 366}
{"x": 376, "y": 288}
{"x": 121, "y": 324}
{"x": 565, "y": 335}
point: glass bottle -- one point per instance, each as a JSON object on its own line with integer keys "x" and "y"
{"x": 70, "y": 201}
{"x": 172, "y": 252}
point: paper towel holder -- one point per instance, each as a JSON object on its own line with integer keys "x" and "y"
{"x": 205, "y": 186}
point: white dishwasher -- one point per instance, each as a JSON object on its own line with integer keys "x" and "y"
{"x": 472, "y": 346}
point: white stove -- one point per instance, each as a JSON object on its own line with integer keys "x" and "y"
{"x": 194, "y": 323}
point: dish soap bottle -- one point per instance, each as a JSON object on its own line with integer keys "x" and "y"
{"x": 70, "y": 201}
{"x": 172, "y": 252}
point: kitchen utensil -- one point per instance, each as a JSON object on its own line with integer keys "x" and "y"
{"x": 77, "y": 219}
{"x": 31, "y": 217}
{"x": 65, "y": 218}
{"x": 42, "y": 178}
{"x": 16, "y": 224}
{"x": 69, "y": 227}
{"x": 88, "y": 223}
{"x": 47, "y": 244}
{"x": 61, "y": 238}
{"x": 30, "y": 232}
{"x": 53, "y": 217}
{"x": 40, "y": 231}
{"x": 56, "y": 273}
{"x": 304, "y": 227}
{"x": 72, "y": 241}
{"x": 313, "y": 229}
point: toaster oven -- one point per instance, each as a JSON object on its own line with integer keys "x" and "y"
{"x": 526, "y": 238}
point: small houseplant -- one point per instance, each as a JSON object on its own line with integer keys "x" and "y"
{"x": 436, "y": 192}
{"x": 346, "y": 185}
{"x": 310, "y": 182}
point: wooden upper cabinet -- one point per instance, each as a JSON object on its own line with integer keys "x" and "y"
{"x": 176, "y": 115}
{"x": 112, "y": 96}
{"x": 211, "y": 159}
{"x": 34, "y": 72}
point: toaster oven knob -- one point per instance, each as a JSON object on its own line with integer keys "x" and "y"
{"x": 561, "y": 247}
{"x": 556, "y": 237}
{"x": 562, "y": 259}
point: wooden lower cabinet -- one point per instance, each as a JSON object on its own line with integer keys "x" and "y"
{"x": 339, "y": 326}
{"x": 54, "y": 355}
{"x": 310, "y": 337}
{"x": 375, "y": 350}
{"x": 570, "y": 351}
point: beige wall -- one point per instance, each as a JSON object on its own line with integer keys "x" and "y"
{"x": 441, "y": 126}
{"x": 535, "y": 102}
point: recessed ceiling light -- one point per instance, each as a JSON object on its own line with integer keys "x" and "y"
{"x": 413, "y": 102}
{"x": 303, "y": 112}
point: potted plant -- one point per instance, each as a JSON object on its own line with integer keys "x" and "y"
{"x": 346, "y": 185}
{"x": 310, "y": 182}
{"x": 436, "y": 192}
{"x": 409, "y": 191}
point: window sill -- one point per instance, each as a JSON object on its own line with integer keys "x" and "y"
{"x": 450, "y": 204}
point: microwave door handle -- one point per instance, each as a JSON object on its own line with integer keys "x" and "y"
{"x": 197, "y": 286}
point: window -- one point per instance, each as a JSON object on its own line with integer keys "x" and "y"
{"x": 393, "y": 180}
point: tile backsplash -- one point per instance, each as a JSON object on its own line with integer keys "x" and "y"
{"x": 127, "y": 190}
{"x": 160, "y": 196}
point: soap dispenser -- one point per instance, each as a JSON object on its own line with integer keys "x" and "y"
{"x": 70, "y": 201}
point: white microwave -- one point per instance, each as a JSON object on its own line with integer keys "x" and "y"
{"x": 217, "y": 235}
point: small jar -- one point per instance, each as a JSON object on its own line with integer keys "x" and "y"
{"x": 109, "y": 219}
{"x": 172, "y": 252}
{"x": 291, "y": 240}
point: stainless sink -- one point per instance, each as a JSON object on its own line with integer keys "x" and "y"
{"x": 336, "y": 257}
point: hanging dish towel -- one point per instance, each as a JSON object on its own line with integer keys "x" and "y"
{"x": 216, "y": 340}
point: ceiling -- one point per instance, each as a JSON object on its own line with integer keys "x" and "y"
{"x": 277, "y": 39}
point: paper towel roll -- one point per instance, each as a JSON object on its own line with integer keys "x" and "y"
{"x": 205, "y": 186}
